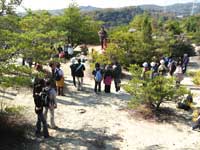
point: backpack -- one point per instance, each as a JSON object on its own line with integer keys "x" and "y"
{"x": 57, "y": 75}
{"x": 108, "y": 80}
{"x": 45, "y": 97}
{"x": 98, "y": 76}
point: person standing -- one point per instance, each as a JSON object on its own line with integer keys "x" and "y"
{"x": 162, "y": 69}
{"x": 117, "y": 71}
{"x": 59, "y": 77}
{"x": 79, "y": 73}
{"x": 98, "y": 76}
{"x": 52, "y": 104}
{"x": 70, "y": 50}
{"x": 185, "y": 62}
{"x": 108, "y": 78}
{"x": 37, "y": 89}
{"x": 73, "y": 67}
{"x": 59, "y": 49}
{"x": 103, "y": 38}
{"x": 178, "y": 73}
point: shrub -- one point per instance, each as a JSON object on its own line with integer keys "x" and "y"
{"x": 152, "y": 92}
{"x": 196, "y": 78}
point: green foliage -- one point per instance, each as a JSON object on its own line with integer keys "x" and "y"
{"x": 152, "y": 92}
{"x": 79, "y": 29}
{"x": 17, "y": 110}
{"x": 196, "y": 78}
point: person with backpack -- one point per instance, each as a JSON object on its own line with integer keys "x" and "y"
{"x": 98, "y": 76}
{"x": 39, "y": 104}
{"x": 108, "y": 78}
{"x": 73, "y": 67}
{"x": 59, "y": 77}
{"x": 79, "y": 73}
{"x": 154, "y": 70}
{"x": 50, "y": 102}
{"x": 171, "y": 66}
{"x": 117, "y": 71}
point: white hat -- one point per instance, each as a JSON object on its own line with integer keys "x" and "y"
{"x": 145, "y": 64}
{"x": 185, "y": 54}
{"x": 153, "y": 64}
{"x": 162, "y": 62}
{"x": 73, "y": 60}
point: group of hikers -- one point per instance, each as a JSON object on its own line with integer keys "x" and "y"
{"x": 47, "y": 88}
{"x": 168, "y": 65}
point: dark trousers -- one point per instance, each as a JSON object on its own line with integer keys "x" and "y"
{"x": 117, "y": 86}
{"x": 41, "y": 120}
{"x": 97, "y": 84}
{"x": 74, "y": 80}
{"x": 184, "y": 68}
{"x": 107, "y": 88}
{"x": 197, "y": 125}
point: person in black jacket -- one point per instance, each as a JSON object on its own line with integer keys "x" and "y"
{"x": 117, "y": 71}
{"x": 73, "y": 67}
{"x": 79, "y": 73}
{"x": 37, "y": 89}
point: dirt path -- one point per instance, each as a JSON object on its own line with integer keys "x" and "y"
{"x": 88, "y": 121}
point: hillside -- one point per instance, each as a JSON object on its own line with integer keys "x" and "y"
{"x": 120, "y": 16}
{"x": 177, "y": 9}
{"x": 115, "y": 17}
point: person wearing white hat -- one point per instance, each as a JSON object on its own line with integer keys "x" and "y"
{"x": 144, "y": 70}
{"x": 162, "y": 69}
{"x": 154, "y": 70}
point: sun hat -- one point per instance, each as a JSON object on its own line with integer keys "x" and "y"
{"x": 145, "y": 64}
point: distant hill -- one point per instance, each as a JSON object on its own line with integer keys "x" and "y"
{"x": 115, "y": 17}
{"x": 120, "y": 16}
{"x": 182, "y": 9}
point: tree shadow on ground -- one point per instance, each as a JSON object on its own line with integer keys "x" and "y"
{"x": 174, "y": 116}
{"x": 13, "y": 133}
{"x": 92, "y": 139}
{"x": 91, "y": 99}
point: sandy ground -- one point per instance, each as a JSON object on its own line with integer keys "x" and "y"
{"x": 88, "y": 121}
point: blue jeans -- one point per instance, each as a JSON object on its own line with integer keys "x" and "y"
{"x": 42, "y": 120}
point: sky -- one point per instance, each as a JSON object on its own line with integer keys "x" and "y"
{"x": 59, "y": 4}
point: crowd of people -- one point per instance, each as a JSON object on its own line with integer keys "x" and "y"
{"x": 167, "y": 65}
{"x": 47, "y": 88}
{"x": 107, "y": 74}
